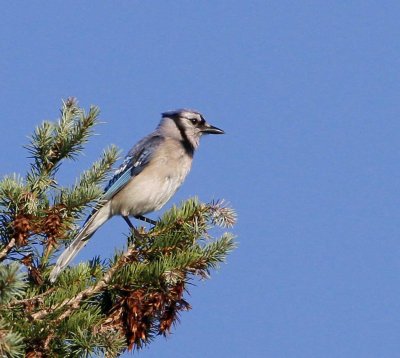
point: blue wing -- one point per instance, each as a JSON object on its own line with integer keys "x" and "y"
{"x": 134, "y": 163}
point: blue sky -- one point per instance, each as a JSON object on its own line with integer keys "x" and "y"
{"x": 308, "y": 93}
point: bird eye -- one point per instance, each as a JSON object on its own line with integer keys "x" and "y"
{"x": 194, "y": 120}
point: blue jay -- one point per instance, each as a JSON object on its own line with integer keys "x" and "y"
{"x": 149, "y": 176}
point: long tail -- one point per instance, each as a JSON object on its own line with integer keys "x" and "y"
{"x": 97, "y": 219}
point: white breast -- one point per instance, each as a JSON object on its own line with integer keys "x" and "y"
{"x": 156, "y": 184}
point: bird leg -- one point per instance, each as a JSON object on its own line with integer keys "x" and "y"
{"x": 127, "y": 220}
{"x": 146, "y": 220}
{"x": 136, "y": 232}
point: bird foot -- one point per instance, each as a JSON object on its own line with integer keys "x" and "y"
{"x": 135, "y": 231}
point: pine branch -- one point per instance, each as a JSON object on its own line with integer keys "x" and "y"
{"x": 104, "y": 306}
{"x": 73, "y": 303}
{"x": 36, "y": 299}
{"x": 12, "y": 282}
{"x": 87, "y": 190}
{"x": 99, "y": 170}
{"x": 11, "y": 343}
{"x": 53, "y": 142}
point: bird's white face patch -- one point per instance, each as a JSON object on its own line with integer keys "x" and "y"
{"x": 192, "y": 123}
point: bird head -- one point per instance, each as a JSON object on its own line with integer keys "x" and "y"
{"x": 191, "y": 125}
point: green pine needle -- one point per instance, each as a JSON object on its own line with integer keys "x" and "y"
{"x": 12, "y": 284}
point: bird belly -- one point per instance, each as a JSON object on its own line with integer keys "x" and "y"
{"x": 151, "y": 189}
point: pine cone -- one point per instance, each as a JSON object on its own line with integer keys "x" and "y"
{"x": 21, "y": 227}
{"x": 34, "y": 354}
{"x": 52, "y": 223}
{"x": 51, "y": 227}
{"x": 35, "y": 275}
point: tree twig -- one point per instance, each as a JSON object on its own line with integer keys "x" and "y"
{"x": 74, "y": 302}
{"x": 31, "y": 300}
{"x": 4, "y": 252}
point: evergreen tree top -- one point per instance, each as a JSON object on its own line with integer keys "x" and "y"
{"x": 103, "y": 306}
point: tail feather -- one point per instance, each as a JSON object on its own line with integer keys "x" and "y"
{"x": 95, "y": 221}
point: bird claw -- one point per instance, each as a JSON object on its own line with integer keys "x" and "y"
{"x": 135, "y": 231}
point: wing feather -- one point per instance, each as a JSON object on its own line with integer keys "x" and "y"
{"x": 133, "y": 164}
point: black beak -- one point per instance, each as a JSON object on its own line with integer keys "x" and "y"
{"x": 209, "y": 129}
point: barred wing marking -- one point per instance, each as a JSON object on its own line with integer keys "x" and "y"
{"x": 136, "y": 160}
